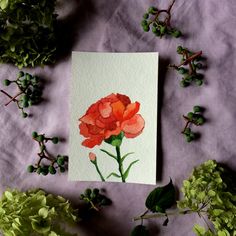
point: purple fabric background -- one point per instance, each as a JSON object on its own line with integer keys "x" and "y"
{"x": 114, "y": 26}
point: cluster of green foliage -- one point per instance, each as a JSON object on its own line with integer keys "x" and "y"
{"x": 211, "y": 191}
{"x": 29, "y": 91}
{"x": 188, "y": 67}
{"x": 159, "y": 27}
{"x": 34, "y": 213}
{"x": 57, "y": 162}
{"x": 27, "y": 32}
{"x": 195, "y": 118}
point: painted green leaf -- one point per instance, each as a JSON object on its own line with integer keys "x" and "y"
{"x": 108, "y": 153}
{"x": 128, "y": 169}
{"x": 161, "y": 198}
{"x": 140, "y": 230}
{"x": 126, "y": 155}
{"x": 113, "y": 174}
{"x": 3, "y": 4}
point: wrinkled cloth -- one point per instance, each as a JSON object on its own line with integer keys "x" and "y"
{"x": 114, "y": 26}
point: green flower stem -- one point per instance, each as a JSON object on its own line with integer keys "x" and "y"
{"x": 171, "y": 213}
{"x": 119, "y": 160}
{"x": 99, "y": 172}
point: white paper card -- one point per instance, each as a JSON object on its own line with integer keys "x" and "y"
{"x": 113, "y": 118}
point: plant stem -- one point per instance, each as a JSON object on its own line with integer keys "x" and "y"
{"x": 159, "y": 215}
{"x": 14, "y": 98}
{"x": 119, "y": 160}
{"x": 99, "y": 172}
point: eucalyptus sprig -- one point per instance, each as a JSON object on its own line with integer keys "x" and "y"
{"x": 153, "y": 18}
{"x": 189, "y": 67}
{"x": 29, "y": 91}
{"x": 195, "y": 118}
{"x": 95, "y": 199}
{"x": 209, "y": 192}
{"x": 57, "y": 162}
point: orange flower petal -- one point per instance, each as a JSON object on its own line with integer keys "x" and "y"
{"x": 123, "y": 98}
{"x": 91, "y": 142}
{"x": 131, "y": 110}
{"x": 109, "y": 133}
{"x": 118, "y": 109}
{"x": 105, "y": 109}
{"x": 89, "y": 118}
{"x": 133, "y": 127}
{"x": 84, "y": 130}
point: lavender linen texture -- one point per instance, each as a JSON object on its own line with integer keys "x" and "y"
{"x": 114, "y": 26}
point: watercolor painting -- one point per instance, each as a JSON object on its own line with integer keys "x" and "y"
{"x": 113, "y": 117}
{"x": 111, "y": 120}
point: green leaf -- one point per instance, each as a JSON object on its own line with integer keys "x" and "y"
{"x": 126, "y": 155}
{"x": 43, "y": 212}
{"x": 108, "y": 153}
{"x": 115, "y": 140}
{"x": 199, "y": 230}
{"x": 161, "y": 198}
{"x": 140, "y": 230}
{"x": 9, "y": 195}
{"x": 128, "y": 169}
{"x": 113, "y": 174}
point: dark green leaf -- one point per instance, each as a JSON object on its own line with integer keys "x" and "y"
{"x": 161, "y": 198}
{"x": 140, "y": 230}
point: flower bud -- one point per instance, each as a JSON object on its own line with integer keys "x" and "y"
{"x": 92, "y": 157}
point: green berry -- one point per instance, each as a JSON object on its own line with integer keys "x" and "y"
{"x": 39, "y": 170}
{"x": 144, "y": 22}
{"x": 25, "y": 104}
{"x": 52, "y": 170}
{"x": 145, "y": 16}
{"x": 21, "y": 74}
{"x": 24, "y": 83}
{"x": 28, "y": 76}
{"x": 24, "y": 114}
{"x": 40, "y": 138}
{"x": 163, "y": 30}
{"x": 190, "y": 115}
{"x": 199, "y": 82}
{"x": 6, "y": 82}
{"x": 61, "y": 161}
{"x": 152, "y": 10}
{"x": 197, "y": 109}
{"x": 189, "y": 78}
{"x": 87, "y": 192}
{"x": 30, "y": 169}
{"x": 34, "y": 134}
{"x": 62, "y": 169}
{"x": 176, "y": 33}
{"x": 96, "y": 191}
{"x": 182, "y": 70}
{"x": 188, "y": 138}
{"x": 199, "y": 65}
{"x": 200, "y": 121}
{"x": 158, "y": 33}
{"x": 179, "y": 49}
{"x": 154, "y": 29}
{"x": 146, "y": 28}
{"x": 55, "y": 140}
{"x": 183, "y": 83}
{"x": 44, "y": 170}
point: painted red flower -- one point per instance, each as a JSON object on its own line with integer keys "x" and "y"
{"x": 110, "y": 116}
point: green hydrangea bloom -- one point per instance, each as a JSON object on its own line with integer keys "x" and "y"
{"x": 34, "y": 213}
{"x": 27, "y": 32}
{"x": 211, "y": 189}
